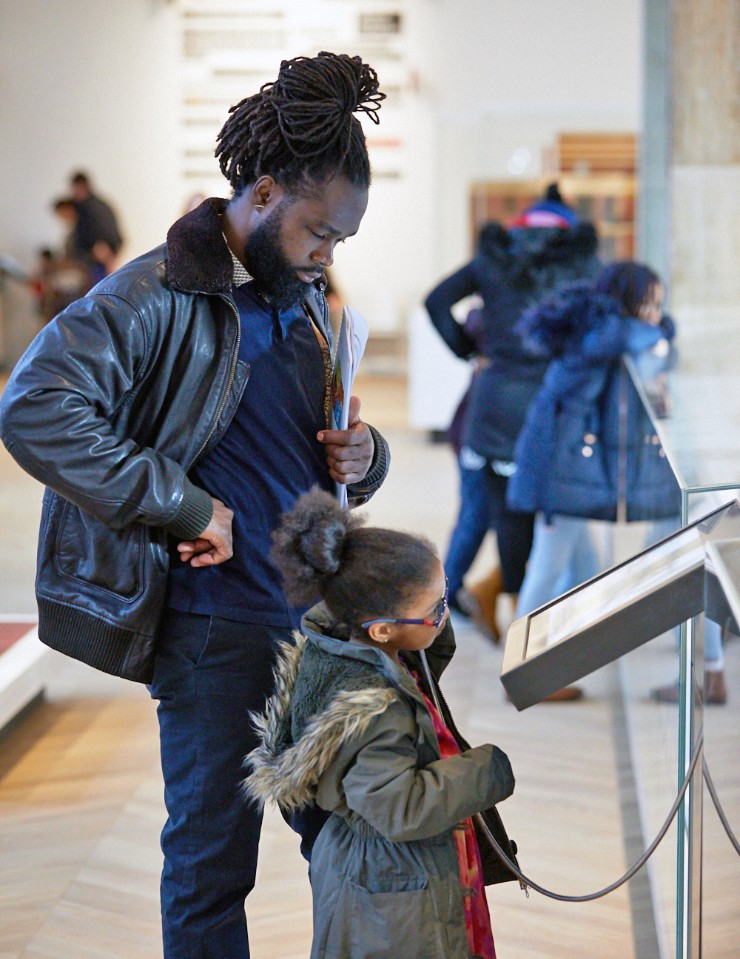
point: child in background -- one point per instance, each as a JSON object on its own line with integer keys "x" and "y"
{"x": 396, "y": 870}
{"x": 572, "y": 463}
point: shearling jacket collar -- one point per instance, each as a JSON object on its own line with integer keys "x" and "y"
{"x": 198, "y": 259}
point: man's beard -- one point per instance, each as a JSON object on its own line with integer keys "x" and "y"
{"x": 267, "y": 263}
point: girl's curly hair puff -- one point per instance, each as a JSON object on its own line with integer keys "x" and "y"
{"x": 361, "y": 573}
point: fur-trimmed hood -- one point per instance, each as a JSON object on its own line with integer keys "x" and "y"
{"x": 327, "y": 691}
{"x": 576, "y": 320}
{"x": 538, "y": 259}
{"x": 584, "y": 327}
{"x": 198, "y": 259}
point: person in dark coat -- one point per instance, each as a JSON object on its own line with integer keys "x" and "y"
{"x": 475, "y": 509}
{"x": 96, "y": 237}
{"x": 513, "y": 270}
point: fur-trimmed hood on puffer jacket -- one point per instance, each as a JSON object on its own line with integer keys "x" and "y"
{"x": 587, "y": 443}
{"x": 320, "y": 703}
{"x": 333, "y": 698}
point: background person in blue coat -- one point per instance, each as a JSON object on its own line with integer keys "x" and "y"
{"x": 566, "y": 455}
{"x": 512, "y": 271}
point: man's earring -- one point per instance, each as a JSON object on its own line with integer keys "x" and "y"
{"x": 259, "y": 206}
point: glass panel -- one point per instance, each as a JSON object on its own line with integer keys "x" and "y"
{"x": 694, "y": 874}
{"x": 690, "y": 888}
{"x": 686, "y": 900}
{"x": 652, "y": 489}
{"x": 720, "y": 871}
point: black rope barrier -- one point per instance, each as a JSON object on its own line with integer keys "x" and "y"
{"x": 718, "y": 806}
{"x": 526, "y": 883}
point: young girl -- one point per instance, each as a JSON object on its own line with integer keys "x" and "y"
{"x": 396, "y": 871}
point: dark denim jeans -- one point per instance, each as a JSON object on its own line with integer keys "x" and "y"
{"x": 210, "y": 673}
{"x": 473, "y": 522}
{"x": 483, "y": 507}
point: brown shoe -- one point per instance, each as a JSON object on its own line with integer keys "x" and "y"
{"x": 715, "y": 690}
{"x": 479, "y": 602}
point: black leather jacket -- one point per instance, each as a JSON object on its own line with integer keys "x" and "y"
{"x": 110, "y": 407}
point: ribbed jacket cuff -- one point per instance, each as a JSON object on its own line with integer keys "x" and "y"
{"x": 376, "y": 474}
{"x": 193, "y": 514}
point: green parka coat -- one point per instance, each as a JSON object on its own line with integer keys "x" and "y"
{"x": 348, "y": 729}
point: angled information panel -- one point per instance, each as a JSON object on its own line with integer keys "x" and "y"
{"x": 620, "y": 609}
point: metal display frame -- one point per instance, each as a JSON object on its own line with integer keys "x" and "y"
{"x": 613, "y": 613}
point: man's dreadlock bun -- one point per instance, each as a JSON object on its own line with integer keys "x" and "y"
{"x": 315, "y": 99}
{"x": 303, "y": 123}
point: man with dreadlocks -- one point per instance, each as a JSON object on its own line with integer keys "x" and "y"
{"x": 174, "y": 413}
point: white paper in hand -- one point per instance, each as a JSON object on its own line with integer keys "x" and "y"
{"x": 350, "y": 346}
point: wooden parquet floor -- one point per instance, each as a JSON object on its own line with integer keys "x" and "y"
{"x": 81, "y": 793}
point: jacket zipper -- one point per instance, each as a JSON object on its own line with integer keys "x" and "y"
{"x": 229, "y": 383}
{"x": 430, "y": 682}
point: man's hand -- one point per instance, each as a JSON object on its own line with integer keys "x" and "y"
{"x": 214, "y": 545}
{"x": 349, "y": 452}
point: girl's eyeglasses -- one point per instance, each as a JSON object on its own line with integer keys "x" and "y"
{"x": 439, "y": 615}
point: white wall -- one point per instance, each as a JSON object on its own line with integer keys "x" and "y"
{"x": 498, "y": 76}
{"x": 86, "y": 84}
{"x": 92, "y": 83}
{"x": 491, "y": 76}
{"x": 509, "y": 74}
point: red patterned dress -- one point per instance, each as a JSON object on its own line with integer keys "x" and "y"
{"x": 477, "y": 917}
